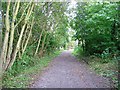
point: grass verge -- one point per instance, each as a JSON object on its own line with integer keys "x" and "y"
{"x": 108, "y": 70}
{"x": 25, "y": 77}
{"x": 105, "y": 67}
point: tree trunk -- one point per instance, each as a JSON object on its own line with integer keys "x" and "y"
{"x": 43, "y": 27}
{"x": 21, "y": 17}
{"x": 24, "y": 38}
{"x": 20, "y": 37}
{"x": 15, "y": 11}
{"x": 46, "y": 44}
{"x": 0, "y": 46}
{"x": 43, "y": 43}
{"x": 28, "y": 37}
{"x": 39, "y": 42}
{"x": 6, "y": 37}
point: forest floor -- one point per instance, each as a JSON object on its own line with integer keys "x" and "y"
{"x": 65, "y": 71}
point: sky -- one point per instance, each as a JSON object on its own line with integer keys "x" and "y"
{"x": 71, "y": 15}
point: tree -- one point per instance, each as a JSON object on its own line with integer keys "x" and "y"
{"x": 95, "y": 26}
{"x": 22, "y": 29}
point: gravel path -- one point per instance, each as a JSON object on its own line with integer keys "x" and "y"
{"x": 66, "y": 72}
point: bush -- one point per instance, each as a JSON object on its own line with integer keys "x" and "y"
{"x": 78, "y": 51}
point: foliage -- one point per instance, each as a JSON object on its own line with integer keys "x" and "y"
{"x": 109, "y": 69}
{"x": 78, "y": 51}
{"x": 30, "y": 31}
{"x": 23, "y": 30}
{"x": 20, "y": 78}
{"x": 97, "y": 27}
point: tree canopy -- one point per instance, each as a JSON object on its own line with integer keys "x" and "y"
{"x": 97, "y": 27}
{"x": 39, "y": 26}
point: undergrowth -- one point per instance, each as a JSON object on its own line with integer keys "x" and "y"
{"x": 22, "y": 72}
{"x": 107, "y": 67}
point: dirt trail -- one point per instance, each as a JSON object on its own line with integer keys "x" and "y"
{"x": 66, "y": 72}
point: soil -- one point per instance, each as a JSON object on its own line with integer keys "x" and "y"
{"x": 65, "y": 71}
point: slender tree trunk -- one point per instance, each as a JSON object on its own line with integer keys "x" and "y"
{"x": 38, "y": 45}
{"x": 0, "y": 29}
{"x": 6, "y": 37}
{"x": 39, "y": 42}
{"x": 24, "y": 38}
{"x": 46, "y": 43}
{"x": 21, "y": 18}
{"x": 48, "y": 39}
{"x": 20, "y": 37}
{"x": 0, "y": 45}
{"x": 15, "y": 11}
{"x": 28, "y": 37}
{"x": 17, "y": 47}
{"x": 19, "y": 54}
{"x": 43, "y": 43}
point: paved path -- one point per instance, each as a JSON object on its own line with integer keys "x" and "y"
{"x": 66, "y": 72}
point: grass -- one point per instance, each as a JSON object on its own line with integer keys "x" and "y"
{"x": 104, "y": 67}
{"x": 109, "y": 69}
{"x": 25, "y": 77}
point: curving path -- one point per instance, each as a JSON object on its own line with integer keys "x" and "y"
{"x": 66, "y": 72}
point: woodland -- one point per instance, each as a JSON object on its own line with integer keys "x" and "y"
{"x": 29, "y": 31}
